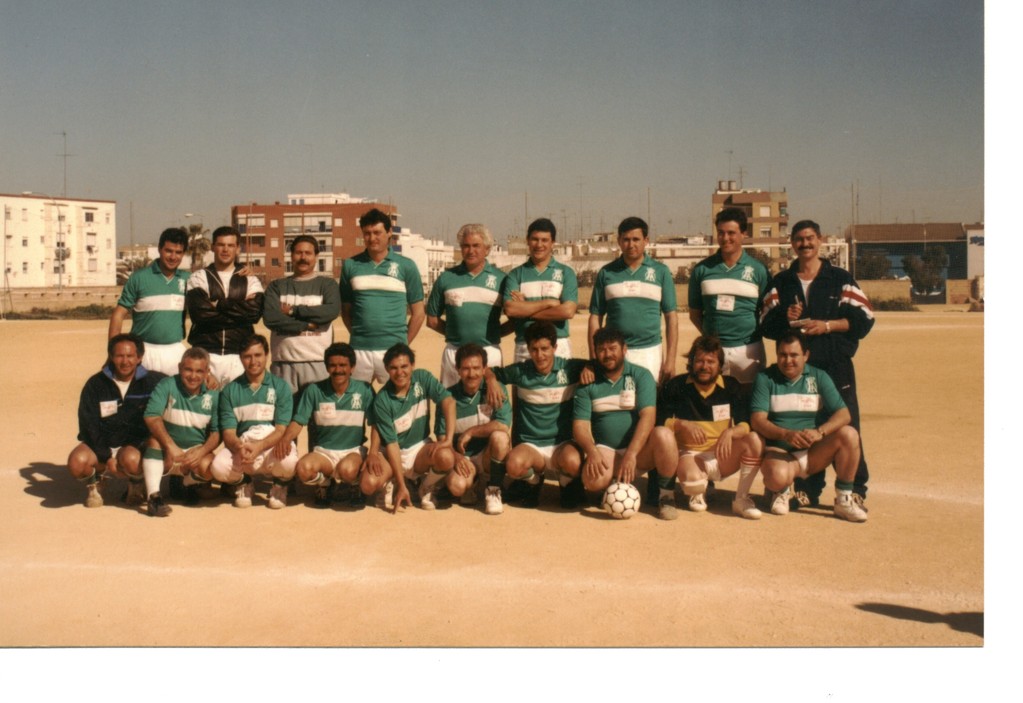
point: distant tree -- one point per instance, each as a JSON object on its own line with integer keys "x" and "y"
{"x": 682, "y": 274}
{"x": 872, "y": 266}
{"x": 198, "y": 245}
{"x": 926, "y": 272}
{"x": 763, "y": 257}
{"x": 126, "y": 267}
{"x": 586, "y": 277}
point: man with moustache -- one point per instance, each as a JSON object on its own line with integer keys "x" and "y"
{"x": 834, "y": 314}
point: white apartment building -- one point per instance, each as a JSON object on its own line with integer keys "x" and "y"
{"x": 53, "y": 242}
{"x": 432, "y": 256}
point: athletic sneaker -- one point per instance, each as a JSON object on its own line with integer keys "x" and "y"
{"x": 155, "y": 507}
{"x": 192, "y": 494}
{"x": 698, "y": 502}
{"x": 846, "y": 508}
{"x": 426, "y": 498}
{"x": 780, "y": 502}
{"x": 243, "y": 495}
{"x": 324, "y": 496}
{"x": 666, "y": 509}
{"x": 95, "y": 498}
{"x": 532, "y": 497}
{"x": 492, "y": 501}
{"x": 744, "y": 507}
{"x": 385, "y": 496}
{"x": 136, "y": 493}
{"x": 860, "y": 501}
{"x": 277, "y": 498}
{"x": 572, "y": 494}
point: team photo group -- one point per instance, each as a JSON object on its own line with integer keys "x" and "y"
{"x": 230, "y": 406}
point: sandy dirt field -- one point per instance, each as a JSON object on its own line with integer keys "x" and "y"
{"x": 913, "y": 576}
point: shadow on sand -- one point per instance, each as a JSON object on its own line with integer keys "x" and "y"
{"x": 971, "y": 623}
{"x": 55, "y": 487}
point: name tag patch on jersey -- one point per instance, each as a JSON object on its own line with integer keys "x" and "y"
{"x": 726, "y": 303}
{"x": 327, "y": 410}
{"x": 403, "y": 423}
{"x": 265, "y": 413}
{"x": 107, "y": 408}
{"x": 722, "y": 412}
{"x": 628, "y": 399}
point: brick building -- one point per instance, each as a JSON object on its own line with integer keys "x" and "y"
{"x": 767, "y": 211}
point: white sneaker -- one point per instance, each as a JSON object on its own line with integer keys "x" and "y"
{"x": 243, "y": 495}
{"x": 277, "y": 498}
{"x": 698, "y": 502}
{"x": 426, "y": 496}
{"x": 95, "y": 498}
{"x": 780, "y": 502}
{"x": 492, "y": 500}
{"x": 744, "y": 507}
{"x": 385, "y": 496}
{"x": 847, "y": 509}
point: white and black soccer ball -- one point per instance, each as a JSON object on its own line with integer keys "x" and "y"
{"x": 621, "y": 500}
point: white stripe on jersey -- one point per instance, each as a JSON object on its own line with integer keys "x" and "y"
{"x": 417, "y": 411}
{"x": 729, "y": 286}
{"x": 156, "y": 303}
{"x": 611, "y": 403}
{"x": 545, "y": 396}
{"x": 470, "y": 294}
{"x": 255, "y": 412}
{"x": 542, "y": 289}
{"x": 342, "y": 418}
{"x": 186, "y": 418}
{"x": 795, "y": 402}
{"x": 633, "y": 289}
{"x": 377, "y": 282}
{"x": 467, "y": 423}
{"x": 292, "y": 299}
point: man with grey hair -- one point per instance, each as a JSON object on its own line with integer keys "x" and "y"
{"x": 465, "y": 303}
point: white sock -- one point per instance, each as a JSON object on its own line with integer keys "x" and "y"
{"x": 152, "y": 473}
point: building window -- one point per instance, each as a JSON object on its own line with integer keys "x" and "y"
{"x": 88, "y": 216}
{"x": 321, "y": 265}
{"x": 275, "y": 242}
{"x": 24, "y": 241}
{"x": 765, "y": 210}
{"x": 24, "y": 267}
{"x": 93, "y": 265}
{"x": 323, "y": 226}
{"x": 107, "y": 218}
{"x": 110, "y": 244}
{"x": 765, "y": 231}
{"x": 275, "y": 262}
{"x": 273, "y": 223}
{"x": 24, "y": 214}
{"x": 288, "y": 268}
{"x": 337, "y": 223}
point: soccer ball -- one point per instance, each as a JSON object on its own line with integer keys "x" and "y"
{"x": 621, "y": 500}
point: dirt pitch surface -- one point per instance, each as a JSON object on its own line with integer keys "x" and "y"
{"x": 913, "y": 576}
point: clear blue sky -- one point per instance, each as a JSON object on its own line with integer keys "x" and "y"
{"x": 455, "y": 110}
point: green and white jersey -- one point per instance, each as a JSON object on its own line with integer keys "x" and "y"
{"x": 556, "y": 282}
{"x": 633, "y": 301}
{"x": 380, "y": 295}
{"x": 473, "y": 411}
{"x": 470, "y": 305}
{"x": 795, "y": 405}
{"x": 189, "y": 419}
{"x": 242, "y": 408}
{"x": 729, "y": 297}
{"x": 543, "y": 407}
{"x": 340, "y": 419}
{"x": 157, "y": 304}
{"x": 613, "y": 408}
{"x": 406, "y": 420}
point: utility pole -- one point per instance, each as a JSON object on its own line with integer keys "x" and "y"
{"x": 65, "y": 155}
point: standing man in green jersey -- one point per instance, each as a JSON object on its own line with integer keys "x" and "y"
{"x": 401, "y": 416}
{"x": 541, "y": 290}
{"x": 184, "y": 430}
{"x": 339, "y": 405}
{"x": 223, "y": 304}
{"x": 465, "y": 303}
{"x": 482, "y": 436}
{"x": 725, "y": 291}
{"x": 614, "y": 423}
{"x": 631, "y": 294}
{"x": 786, "y": 401}
{"x": 378, "y": 289}
{"x": 255, "y": 410}
{"x": 155, "y": 297}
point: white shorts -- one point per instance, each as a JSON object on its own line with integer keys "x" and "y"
{"x": 647, "y": 357}
{"x": 336, "y": 455}
{"x": 448, "y": 370}
{"x": 227, "y": 462}
{"x": 369, "y": 365}
{"x": 708, "y": 460}
{"x": 163, "y": 357}
{"x": 547, "y": 453}
{"x": 797, "y": 455}
{"x": 744, "y": 363}
{"x": 563, "y": 349}
{"x": 408, "y": 458}
{"x": 226, "y": 367}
